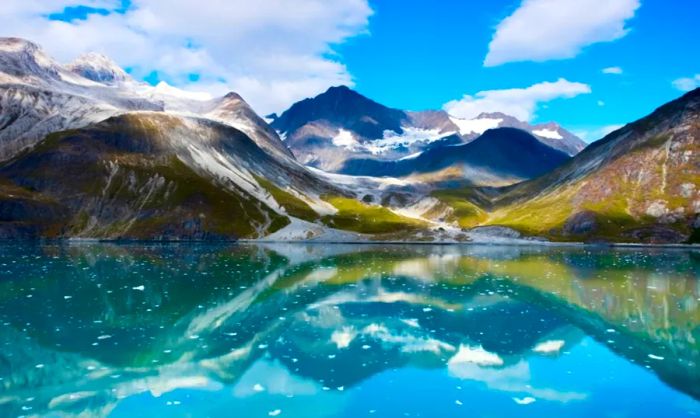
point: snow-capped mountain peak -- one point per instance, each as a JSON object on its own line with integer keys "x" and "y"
{"x": 38, "y": 96}
{"x": 21, "y": 60}
{"x": 549, "y": 133}
{"x": 98, "y": 68}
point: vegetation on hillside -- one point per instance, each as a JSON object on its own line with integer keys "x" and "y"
{"x": 356, "y": 216}
{"x": 293, "y": 205}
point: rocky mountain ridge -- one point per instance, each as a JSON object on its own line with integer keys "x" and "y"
{"x": 88, "y": 152}
{"x": 341, "y": 125}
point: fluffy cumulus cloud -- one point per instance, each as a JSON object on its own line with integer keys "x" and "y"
{"x": 541, "y": 30}
{"x": 518, "y": 102}
{"x": 687, "y": 83}
{"x": 272, "y": 53}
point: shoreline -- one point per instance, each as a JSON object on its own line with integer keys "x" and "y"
{"x": 503, "y": 242}
{"x": 533, "y": 243}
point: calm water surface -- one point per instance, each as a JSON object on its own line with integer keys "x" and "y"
{"x": 348, "y": 331}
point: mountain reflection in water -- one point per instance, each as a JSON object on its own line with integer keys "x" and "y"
{"x": 300, "y": 330}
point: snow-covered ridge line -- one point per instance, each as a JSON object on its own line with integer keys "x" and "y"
{"x": 93, "y": 88}
{"x": 475, "y": 126}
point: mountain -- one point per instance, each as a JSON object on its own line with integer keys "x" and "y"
{"x": 344, "y": 107}
{"x": 155, "y": 175}
{"x": 89, "y": 152}
{"x": 39, "y": 96}
{"x": 548, "y": 133}
{"x": 98, "y": 68}
{"x": 501, "y": 156}
{"x": 639, "y": 183}
{"x": 341, "y": 124}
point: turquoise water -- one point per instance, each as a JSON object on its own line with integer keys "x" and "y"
{"x": 348, "y": 331}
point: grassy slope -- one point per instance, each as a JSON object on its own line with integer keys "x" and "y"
{"x": 618, "y": 194}
{"x": 465, "y": 212}
{"x": 356, "y": 216}
{"x": 640, "y": 183}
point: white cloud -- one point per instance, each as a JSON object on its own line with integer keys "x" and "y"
{"x": 687, "y": 83}
{"x": 272, "y": 52}
{"x": 518, "y": 102}
{"x": 541, "y": 30}
{"x": 601, "y": 103}
{"x": 612, "y": 70}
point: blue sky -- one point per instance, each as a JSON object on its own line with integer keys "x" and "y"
{"x": 420, "y": 57}
{"x": 539, "y": 60}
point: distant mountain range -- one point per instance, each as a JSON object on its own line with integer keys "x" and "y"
{"x": 341, "y": 125}
{"x": 88, "y": 152}
{"x": 499, "y": 156}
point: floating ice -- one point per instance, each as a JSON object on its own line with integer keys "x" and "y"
{"x": 343, "y": 337}
{"x": 476, "y": 355}
{"x": 549, "y": 347}
{"x": 412, "y": 322}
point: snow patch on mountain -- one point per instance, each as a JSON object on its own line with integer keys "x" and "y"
{"x": 166, "y": 89}
{"x": 356, "y": 183}
{"x": 475, "y": 126}
{"x": 548, "y": 133}
{"x": 390, "y": 141}
{"x": 345, "y": 139}
{"x": 411, "y": 156}
{"x": 410, "y": 137}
